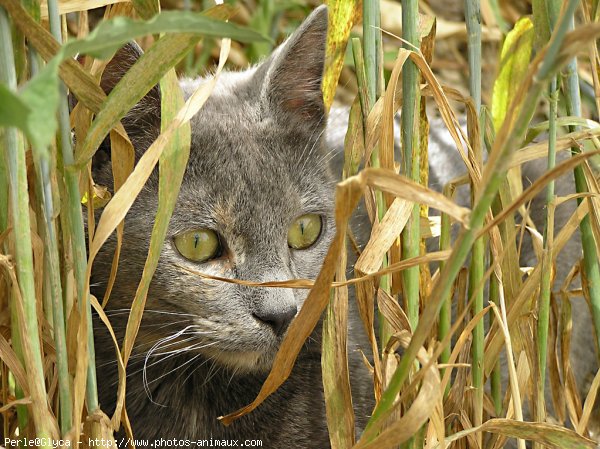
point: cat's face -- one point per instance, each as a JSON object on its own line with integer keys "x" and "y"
{"x": 255, "y": 204}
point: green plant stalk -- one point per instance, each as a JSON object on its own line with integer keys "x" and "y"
{"x": 496, "y": 172}
{"x": 21, "y": 235}
{"x": 477, "y": 265}
{"x": 590, "y": 257}
{"x": 10, "y": 138}
{"x": 496, "y": 377}
{"x": 409, "y": 134}
{"x": 546, "y": 287}
{"x": 489, "y": 135}
{"x": 410, "y": 146}
{"x": 366, "y": 101}
{"x": 445, "y": 320}
{"x": 52, "y": 281}
{"x": 498, "y": 16}
{"x": 53, "y": 274}
{"x": 75, "y": 219}
{"x": 371, "y": 45}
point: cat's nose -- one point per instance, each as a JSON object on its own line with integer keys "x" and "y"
{"x": 279, "y": 319}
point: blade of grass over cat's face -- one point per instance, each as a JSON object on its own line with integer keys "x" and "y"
{"x": 172, "y": 163}
{"x": 115, "y": 211}
{"x": 347, "y": 196}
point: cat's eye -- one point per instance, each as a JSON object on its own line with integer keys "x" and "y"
{"x": 198, "y": 245}
{"x": 304, "y": 231}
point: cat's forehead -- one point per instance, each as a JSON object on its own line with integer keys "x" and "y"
{"x": 233, "y": 131}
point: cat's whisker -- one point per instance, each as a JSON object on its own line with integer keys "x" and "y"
{"x": 176, "y": 368}
{"x": 161, "y": 312}
{"x": 143, "y": 353}
{"x": 157, "y": 325}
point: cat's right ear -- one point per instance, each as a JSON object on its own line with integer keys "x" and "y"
{"x": 292, "y": 82}
{"x": 142, "y": 123}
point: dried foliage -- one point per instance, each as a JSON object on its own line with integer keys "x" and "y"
{"x": 436, "y": 369}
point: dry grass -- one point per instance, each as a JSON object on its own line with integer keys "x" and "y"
{"x": 427, "y": 398}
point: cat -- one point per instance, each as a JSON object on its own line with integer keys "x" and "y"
{"x": 259, "y": 172}
{"x": 256, "y": 203}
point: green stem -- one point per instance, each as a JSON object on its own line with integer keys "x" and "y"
{"x": 372, "y": 88}
{"x": 55, "y": 292}
{"x": 477, "y": 265}
{"x": 590, "y": 257}
{"x": 75, "y": 220}
{"x": 496, "y": 377}
{"x": 21, "y": 236}
{"x": 410, "y": 145}
{"x": 546, "y": 283}
{"x": 445, "y": 321}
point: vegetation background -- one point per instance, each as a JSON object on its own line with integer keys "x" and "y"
{"x": 506, "y": 65}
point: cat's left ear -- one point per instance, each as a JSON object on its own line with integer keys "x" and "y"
{"x": 295, "y": 70}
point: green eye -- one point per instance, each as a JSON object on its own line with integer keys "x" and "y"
{"x": 198, "y": 245}
{"x": 304, "y": 231}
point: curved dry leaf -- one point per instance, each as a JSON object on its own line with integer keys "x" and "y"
{"x": 383, "y": 235}
{"x": 406, "y": 189}
{"x": 419, "y": 412}
{"x": 115, "y": 421}
{"x": 544, "y": 433}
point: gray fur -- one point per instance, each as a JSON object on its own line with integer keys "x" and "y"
{"x": 258, "y": 160}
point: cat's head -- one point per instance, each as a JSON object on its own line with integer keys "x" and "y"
{"x": 255, "y": 204}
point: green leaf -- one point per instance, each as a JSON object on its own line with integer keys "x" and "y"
{"x": 33, "y": 109}
{"x": 514, "y": 62}
{"x": 112, "y": 34}
{"x": 142, "y": 76}
{"x": 341, "y": 19}
{"x": 13, "y": 111}
{"x": 42, "y": 97}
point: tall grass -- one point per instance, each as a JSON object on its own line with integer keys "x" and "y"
{"x": 436, "y": 368}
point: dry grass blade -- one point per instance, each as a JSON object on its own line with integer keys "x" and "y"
{"x": 549, "y": 434}
{"x": 123, "y": 157}
{"x": 70, "y": 6}
{"x": 347, "y": 196}
{"x": 435, "y": 256}
{"x": 120, "y": 365}
{"x": 334, "y": 362}
{"x": 341, "y": 19}
{"x": 11, "y": 360}
{"x": 383, "y": 235}
{"x": 494, "y": 339}
{"x": 421, "y": 409}
{"x": 406, "y": 189}
{"x": 538, "y": 186}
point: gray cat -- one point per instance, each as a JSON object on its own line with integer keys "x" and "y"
{"x": 257, "y": 204}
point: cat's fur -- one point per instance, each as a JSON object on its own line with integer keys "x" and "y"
{"x": 258, "y": 160}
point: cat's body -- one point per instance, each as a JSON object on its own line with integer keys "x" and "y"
{"x": 258, "y": 161}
